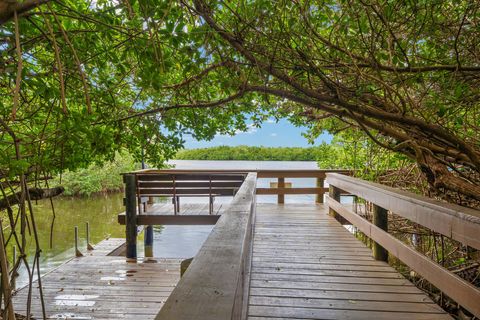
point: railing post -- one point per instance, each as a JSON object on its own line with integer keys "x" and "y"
{"x": 148, "y": 236}
{"x": 319, "y": 198}
{"x": 281, "y": 184}
{"x": 130, "y": 202}
{"x": 148, "y": 241}
{"x": 380, "y": 219}
{"x": 333, "y": 193}
{"x": 77, "y": 251}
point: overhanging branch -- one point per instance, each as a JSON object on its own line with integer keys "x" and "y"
{"x": 35, "y": 194}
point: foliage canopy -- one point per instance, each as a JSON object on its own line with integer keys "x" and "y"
{"x": 81, "y": 80}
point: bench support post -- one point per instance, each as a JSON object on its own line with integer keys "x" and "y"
{"x": 130, "y": 216}
{"x": 380, "y": 219}
{"x": 281, "y": 184}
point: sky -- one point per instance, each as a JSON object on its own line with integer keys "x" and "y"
{"x": 271, "y": 134}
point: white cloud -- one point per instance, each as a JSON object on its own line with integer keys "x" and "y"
{"x": 273, "y": 134}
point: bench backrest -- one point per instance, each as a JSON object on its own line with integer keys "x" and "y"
{"x": 188, "y": 184}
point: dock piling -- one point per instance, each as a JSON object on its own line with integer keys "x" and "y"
{"x": 380, "y": 219}
{"x": 89, "y": 246}
{"x": 131, "y": 216}
{"x": 77, "y": 251}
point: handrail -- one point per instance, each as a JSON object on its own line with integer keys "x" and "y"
{"x": 459, "y": 223}
{"x": 280, "y": 174}
{"x": 456, "y": 222}
{"x": 214, "y": 285}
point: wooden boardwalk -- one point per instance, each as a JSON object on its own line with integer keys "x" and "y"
{"x": 98, "y": 286}
{"x": 306, "y": 265}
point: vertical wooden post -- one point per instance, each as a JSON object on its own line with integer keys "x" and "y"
{"x": 89, "y": 245}
{"x": 334, "y": 193}
{"x": 281, "y": 184}
{"x": 148, "y": 241}
{"x": 380, "y": 219}
{"x": 319, "y": 198}
{"x": 77, "y": 251}
{"x": 148, "y": 236}
{"x": 130, "y": 217}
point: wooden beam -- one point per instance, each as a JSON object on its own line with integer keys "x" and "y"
{"x": 281, "y": 185}
{"x": 214, "y": 284}
{"x": 452, "y": 285}
{"x": 380, "y": 219}
{"x": 131, "y": 216}
{"x": 191, "y": 177}
{"x": 456, "y": 222}
{"x": 261, "y": 173}
{"x": 156, "y": 219}
{"x": 270, "y": 191}
{"x": 187, "y": 192}
{"x": 319, "y": 196}
{"x": 190, "y": 184}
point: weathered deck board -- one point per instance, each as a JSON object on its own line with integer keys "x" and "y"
{"x": 185, "y": 208}
{"x": 98, "y": 286}
{"x": 305, "y": 265}
{"x": 104, "y": 247}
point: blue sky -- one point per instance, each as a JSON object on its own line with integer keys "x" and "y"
{"x": 271, "y": 134}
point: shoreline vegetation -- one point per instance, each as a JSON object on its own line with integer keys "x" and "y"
{"x": 340, "y": 154}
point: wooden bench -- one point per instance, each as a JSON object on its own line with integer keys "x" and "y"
{"x": 176, "y": 185}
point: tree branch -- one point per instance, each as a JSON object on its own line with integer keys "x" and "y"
{"x": 35, "y": 194}
{"x": 7, "y": 10}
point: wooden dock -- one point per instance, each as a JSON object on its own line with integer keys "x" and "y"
{"x": 98, "y": 286}
{"x": 306, "y": 265}
{"x": 263, "y": 261}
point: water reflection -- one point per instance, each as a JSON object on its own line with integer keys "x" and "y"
{"x": 100, "y": 211}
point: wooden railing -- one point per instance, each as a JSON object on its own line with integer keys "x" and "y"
{"x": 319, "y": 189}
{"x": 216, "y": 282}
{"x": 459, "y": 223}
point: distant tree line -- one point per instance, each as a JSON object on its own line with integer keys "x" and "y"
{"x": 254, "y": 153}
{"x": 348, "y": 150}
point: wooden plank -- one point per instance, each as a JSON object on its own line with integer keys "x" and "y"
{"x": 455, "y": 287}
{"x": 261, "y": 173}
{"x": 213, "y": 285}
{"x": 345, "y": 295}
{"x": 273, "y": 275}
{"x": 191, "y": 177}
{"x": 155, "y": 219}
{"x": 103, "y": 287}
{"x": 190, "y": 184}
{"x": 283, "y": 191}
{"x": 187, "y": 192}
{"x": 341, "y": 304}
{"x": 314, "y": 313}
{"x": 305, "y": 265}
{"x": 459, "y": 223}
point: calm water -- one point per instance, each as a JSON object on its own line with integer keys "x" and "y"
{"x": 184, "y": 241}
{"x": 101, "y": 212}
